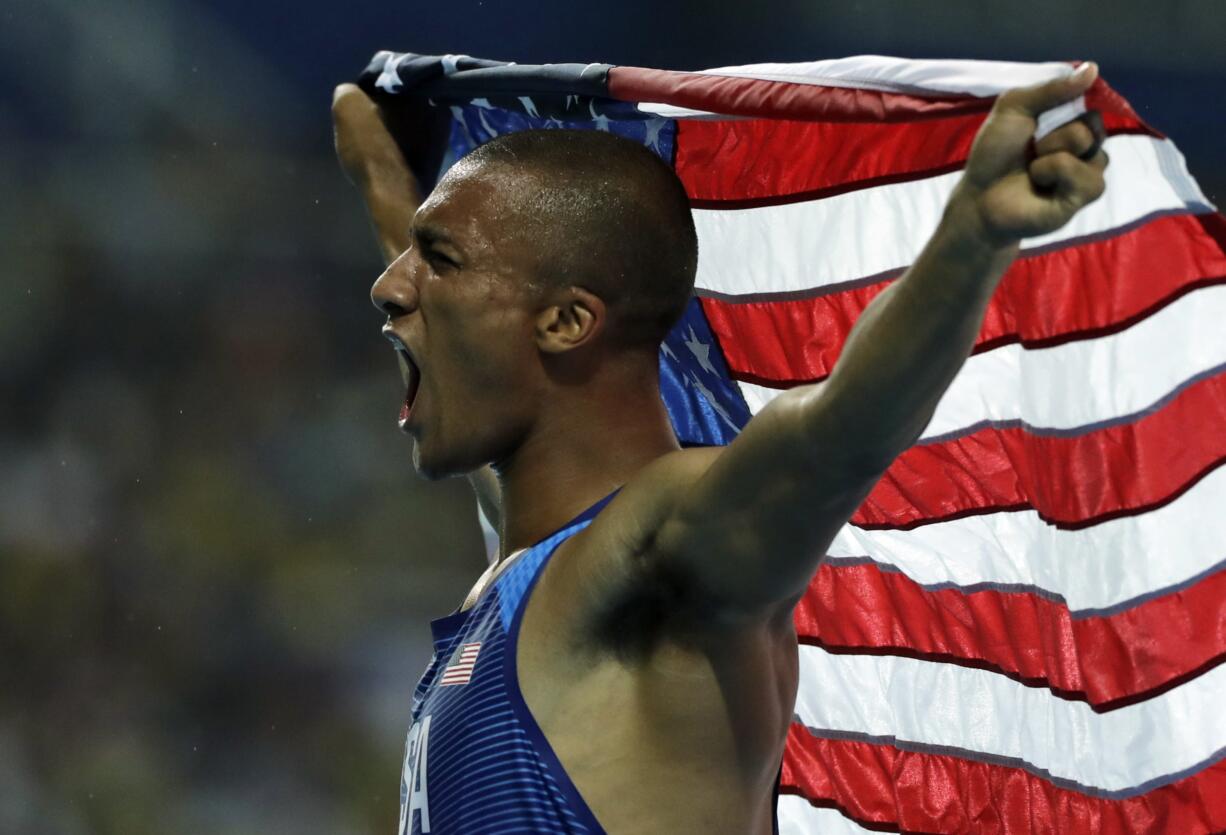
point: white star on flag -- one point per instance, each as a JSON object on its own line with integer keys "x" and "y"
{"x": 654, "y": 126}
{"x": 701, "y": 351}
{"x": 388, "y": 79}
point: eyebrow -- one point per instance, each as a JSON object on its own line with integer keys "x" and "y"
{"x": 429, "y": 234}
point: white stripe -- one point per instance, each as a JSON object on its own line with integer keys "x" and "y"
{"x": 978, "y": 711}
{"x": 1080, "y": 383}
{"x": 798, "y": 817}
{"x": 872, "y": 231}
{"x": 1108, "y": 564}
{"x": 939, "y": 77}
{"x": 898, "y": 75}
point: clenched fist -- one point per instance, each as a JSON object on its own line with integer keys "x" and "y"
{"x": 1017, "y": 188}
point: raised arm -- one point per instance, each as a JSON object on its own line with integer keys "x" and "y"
{"x": 747, "y": 537}
{"x": 375, "y": 163}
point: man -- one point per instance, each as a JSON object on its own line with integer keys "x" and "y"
{"x": 629, "y": 664}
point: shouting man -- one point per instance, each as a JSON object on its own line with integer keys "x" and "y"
{"x": 629, "y": 663}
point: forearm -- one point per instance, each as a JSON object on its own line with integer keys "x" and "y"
{"x": 391, "y": 213}
{"x": 910, "y": 342}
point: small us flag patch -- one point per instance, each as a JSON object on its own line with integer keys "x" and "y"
{"x": 460, "y": 670}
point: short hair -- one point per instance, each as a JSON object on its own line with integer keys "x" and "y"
{"x": 607, "y": 215}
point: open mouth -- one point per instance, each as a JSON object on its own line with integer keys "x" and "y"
{"x": 412, "y": 378}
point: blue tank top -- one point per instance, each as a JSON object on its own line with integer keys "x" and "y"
{"x": 475, "y": 759}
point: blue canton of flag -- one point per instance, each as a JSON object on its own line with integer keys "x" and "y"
{"x": 480, "y": 120}
{"x": 705, "y": 405}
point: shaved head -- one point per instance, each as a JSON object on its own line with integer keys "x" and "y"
{"x": 603, "y": 213}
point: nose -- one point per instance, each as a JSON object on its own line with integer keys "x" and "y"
{"x": 395, "y": 292}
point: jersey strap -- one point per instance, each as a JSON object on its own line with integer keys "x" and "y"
{"x": 513, "y": 597}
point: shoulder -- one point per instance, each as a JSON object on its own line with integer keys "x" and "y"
{"x": 627, "y": 527}
{"x": 602, "y": 587}
{"x": 654, "y": 488}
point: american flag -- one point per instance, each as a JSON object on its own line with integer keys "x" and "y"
{"x": 1022, "y": 628}
{"x": 460, "y": 670}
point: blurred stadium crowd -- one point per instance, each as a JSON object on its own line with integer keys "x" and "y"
{"x": 216, "y": 569}
{"x": 210, "y": 543}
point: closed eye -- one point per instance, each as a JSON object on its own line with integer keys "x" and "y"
{"x": 434, "y": 245}
{"x": 438, "y": 259}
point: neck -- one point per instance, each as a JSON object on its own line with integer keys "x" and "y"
{"x": 587, "y": 445}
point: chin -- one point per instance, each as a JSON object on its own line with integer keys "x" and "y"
{"x": 433, "y": 467}
{"x": 422, "y": 465}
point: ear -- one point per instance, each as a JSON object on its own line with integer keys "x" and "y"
{"x": 573, "y": 320}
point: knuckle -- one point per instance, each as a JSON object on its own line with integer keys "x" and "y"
{"x": 1074, "y": 137}
{"x": 1081, "y": 136}
{"x": 1008, "y": 100}
{"x": 1064, "y": 162}
{"x": 1088, "y": 184}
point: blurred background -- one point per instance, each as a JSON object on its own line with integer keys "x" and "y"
{"x": 216, "y": 565}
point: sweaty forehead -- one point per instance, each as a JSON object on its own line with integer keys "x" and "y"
{"x": 495, "y": 202}
{"x": 486, "y": 213}
{"x": 484, "y": 179}
{"x": 466, "y": 188}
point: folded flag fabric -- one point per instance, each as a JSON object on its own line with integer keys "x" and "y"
{"x": 1022, "y": 628}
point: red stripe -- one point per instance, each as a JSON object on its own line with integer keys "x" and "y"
{"x": 740, "y": 96}
{"x": 1072, "y": 482}
{"x": 1103, "y": 98}
{"x": 1108, "y": 661}
{"x": 737, "y": 96}
{"x": 1090, "y": 289}
{"x": 888, "y": 789}
{"x": 727, "y": 164}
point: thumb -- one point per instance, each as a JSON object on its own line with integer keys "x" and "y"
{"x": 1033, "y": 101}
